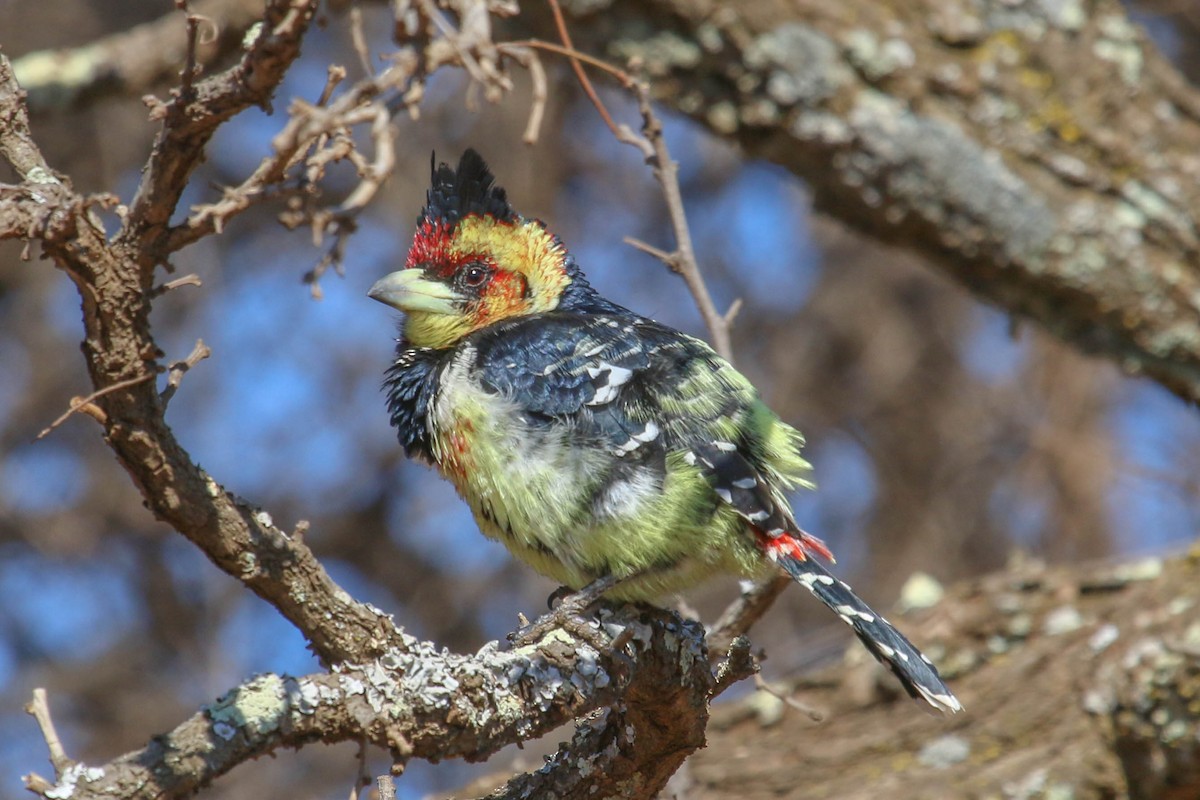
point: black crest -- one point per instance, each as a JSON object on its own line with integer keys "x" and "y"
{"x": 470, "y": 189}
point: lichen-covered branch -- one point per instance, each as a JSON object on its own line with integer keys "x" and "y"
{"x": 420, "y": 702}
{"x": 1044, "y": 154}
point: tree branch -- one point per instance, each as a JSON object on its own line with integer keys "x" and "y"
{"x": 421, "y": 702}
{"x": 191, "y": 118}
{"x": 1044, "y": 159}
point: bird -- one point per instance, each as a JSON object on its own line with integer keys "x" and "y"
{"x": 593, "y": 442}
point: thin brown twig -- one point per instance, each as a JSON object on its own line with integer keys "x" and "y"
{"x": 588, "y": 89}
{"x": 79, "y": 403}
{"x": 187, "y": 88}
{"x": 683, "y": 259}
{"x": 334, "y": 75}
{"x": 621, "y": 75}
{"x": 761, "y": 684}
{"x": 737, "y": 664}
{"x": 743, "y": 612}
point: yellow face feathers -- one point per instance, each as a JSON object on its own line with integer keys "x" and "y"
{"x": 526, "y": 248}
{"x": 465, "y": 277}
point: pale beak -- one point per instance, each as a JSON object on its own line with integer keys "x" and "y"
{"x": 410, "y": 290}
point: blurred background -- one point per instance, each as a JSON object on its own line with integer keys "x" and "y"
{"x": 946, "y": 437}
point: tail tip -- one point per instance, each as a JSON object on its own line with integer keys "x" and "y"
{"x": 944, "y": 702}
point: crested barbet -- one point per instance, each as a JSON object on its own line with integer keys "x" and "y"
{"x": 592, "y": 442}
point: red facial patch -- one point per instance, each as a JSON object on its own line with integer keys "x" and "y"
{"x": 431, "y": 244}
{"x": 431, "y": 250}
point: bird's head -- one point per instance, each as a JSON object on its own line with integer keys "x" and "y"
{"x": 474, "y": 261}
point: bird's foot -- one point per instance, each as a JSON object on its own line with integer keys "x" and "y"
{"x": 568, "y": 615}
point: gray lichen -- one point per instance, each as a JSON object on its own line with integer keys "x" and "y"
{"x": 801, "y": 65}
{"x": 933, "y": 168}
{"x": 257, "y": 707}
{"x": 874, "y": 59}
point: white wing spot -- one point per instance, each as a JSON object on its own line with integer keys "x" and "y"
{"x": 885, "y": 650}
{"x": 725, "y": 447}
{"x": 649, "y": 434}
{"x": 724, "y": 494}
{"x": 689, "y": 458}
{"x": 745, "y": 483}
{"x": 613, "y": 376}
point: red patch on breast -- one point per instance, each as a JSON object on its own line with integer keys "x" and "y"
{"x": 456, "y": 458}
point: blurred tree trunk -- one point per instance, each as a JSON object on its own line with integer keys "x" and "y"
{"x": 1043, "y": 154}
{"x": 1077, "y": 683}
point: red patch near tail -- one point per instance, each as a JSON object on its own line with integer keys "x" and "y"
{"x": 798, "y": 546}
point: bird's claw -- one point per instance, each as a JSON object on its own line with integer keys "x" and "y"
{"x": 568, "y": 615}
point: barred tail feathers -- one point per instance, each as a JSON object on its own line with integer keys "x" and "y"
{"x": 892, "y": 648}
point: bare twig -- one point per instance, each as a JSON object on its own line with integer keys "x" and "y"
{"x": 82, "y": 403}
{"x": 188, "y": 124}
{"x": 200, "y": 352}
{"x": 134, "y": 60}
{"x": 187, "y": 89}
{"x": 362, "y": 778}
{"x": 528, "y": 58}
{"x": 191, "y": 279}
{"x": 763, "y": 686}
{"x": 682, "y": 260}
{"x": 584, "y": 82}
{"x": 334, "y": 76}
{"x": 653, "y": 146}
{"x": 39, "y": 707}
{"x": 744, "y": 612}
{"x": 359, "y": 41}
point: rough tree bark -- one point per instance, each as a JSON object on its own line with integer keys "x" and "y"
{"x": 1042, "y": 153}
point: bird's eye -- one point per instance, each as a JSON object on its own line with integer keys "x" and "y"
{"x": 474, "y": 275}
